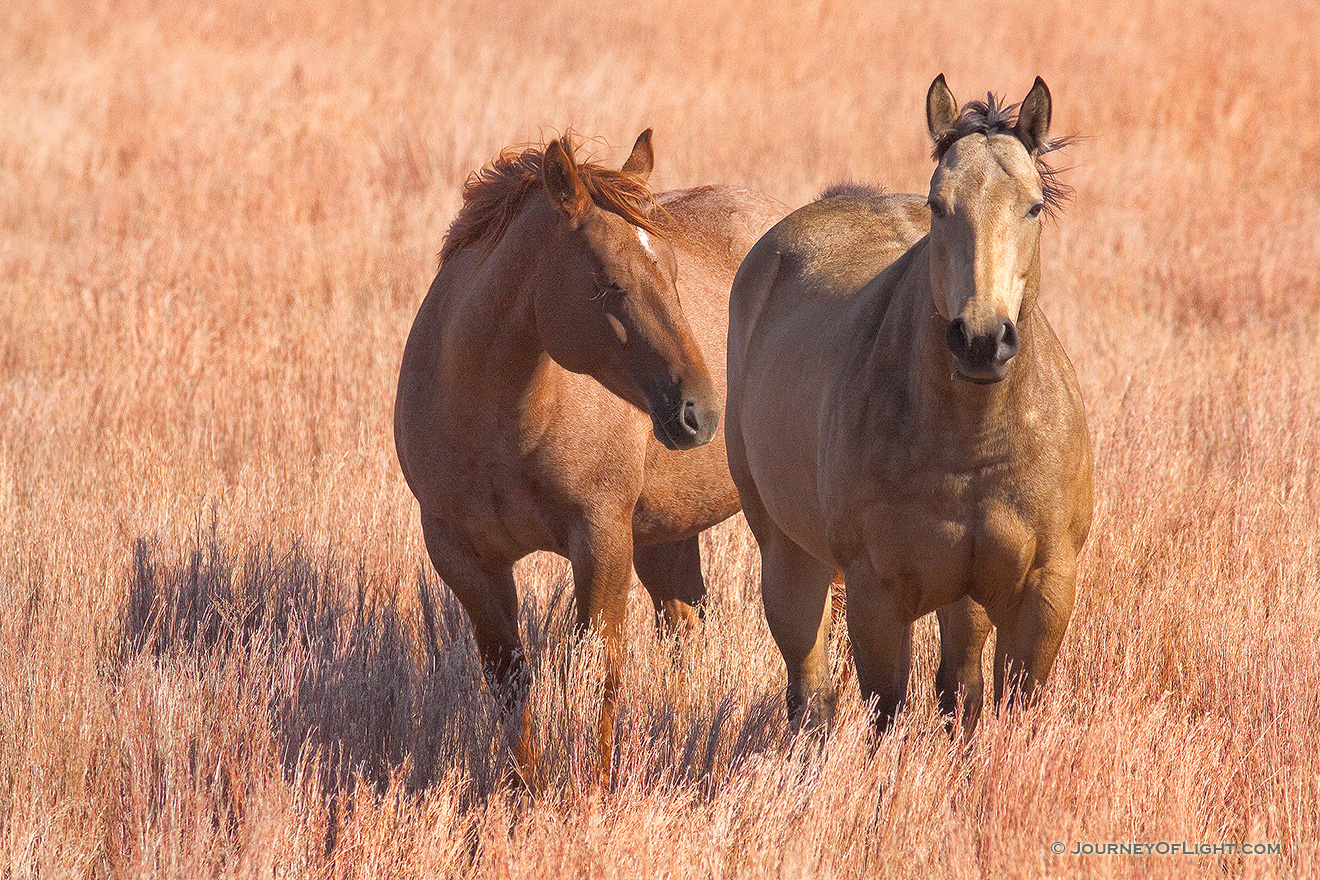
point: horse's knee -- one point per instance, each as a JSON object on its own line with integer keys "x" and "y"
{"x": 964, "y": 628}
{"x": 951, "y": 685}
{"x": 957, "y": 693}
{"x": 1028, "y": 644}
{"x": 885, "y": 703}
{"x": 507, "y": 673}
{"x": 881, "y": 634}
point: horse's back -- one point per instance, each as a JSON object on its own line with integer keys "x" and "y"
{"x": 819, "y": 258}
{"x": 833, "y": 246}
{"x": 711, "y": 229}
{"x": 717, "y": 225}
{"x": 814, "y": 269}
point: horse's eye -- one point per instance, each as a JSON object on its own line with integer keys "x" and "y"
{"x": 1034, "y": 210}
{"x": 937, "y": 208}
{"x": 609, "y": 286}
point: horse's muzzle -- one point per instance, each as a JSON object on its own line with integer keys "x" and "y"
{"x": 683, "y": 421}
{"x": 981, "y": 358}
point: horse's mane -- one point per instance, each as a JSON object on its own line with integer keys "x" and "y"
{"x": 851, "y": 189}
{"x": 992, "y": 116}
{"x": 493, "y": 195}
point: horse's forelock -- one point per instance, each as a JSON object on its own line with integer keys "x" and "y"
{"x": 987, "y": 117}
{"x": 992, "y": 116}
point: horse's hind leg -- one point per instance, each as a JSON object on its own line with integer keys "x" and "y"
{"x": 964, "y": 628}
{"x": 671, "y": 573}
{"x": 490, "y": 598}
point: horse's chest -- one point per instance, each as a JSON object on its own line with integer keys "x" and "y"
{"x": 503, "y": 516}
{"x": 536, "y": 497}
{"x": 950, "y": 539}
{"x": 507, "y": 502}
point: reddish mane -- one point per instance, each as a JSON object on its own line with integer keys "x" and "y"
{"x": 493, "y": 195}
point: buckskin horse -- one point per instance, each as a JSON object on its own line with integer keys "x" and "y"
{"x": 899, "y": 410}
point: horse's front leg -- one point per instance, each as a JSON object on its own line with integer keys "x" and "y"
{"x": 602, "y": 574}
{"x": 795, "y": 593}
{"x": 488, "y": 594}
{"x": 880, "y": 628}
{"x": 964, "y": 628}
{"x": 1030, "y": 633}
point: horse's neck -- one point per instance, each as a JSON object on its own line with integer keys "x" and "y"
{"x": 492, "y": 349}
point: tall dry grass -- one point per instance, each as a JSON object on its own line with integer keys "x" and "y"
{"x": 216, "y": 222}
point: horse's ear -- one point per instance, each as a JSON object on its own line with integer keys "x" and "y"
{"x": 560, "y": 175}
{"x": 642, "y": 159}
{"x": 941, "y": 110}
{"x": 1033, "y": 122}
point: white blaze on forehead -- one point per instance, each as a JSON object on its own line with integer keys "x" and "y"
{"x": 645, "y": 240}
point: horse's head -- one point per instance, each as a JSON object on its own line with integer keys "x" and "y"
{"x": 987, "y": 198}
{"x": 613, "y": 310}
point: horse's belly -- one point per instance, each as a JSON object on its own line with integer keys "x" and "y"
{"x": 683, "y": 493}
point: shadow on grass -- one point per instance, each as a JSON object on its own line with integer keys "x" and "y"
{"x": 367, "y": 681}
{"x": 354, "y": 688}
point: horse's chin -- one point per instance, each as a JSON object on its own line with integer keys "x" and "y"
{"x": 667, "y": 440}
{"x": 992, "y": 379}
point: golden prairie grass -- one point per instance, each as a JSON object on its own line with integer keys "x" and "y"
{"x": 216, "y": 223}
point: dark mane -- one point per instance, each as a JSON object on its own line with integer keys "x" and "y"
{"x": 990, "y": 117}
{"x": 852, "y": 189}
{"x": 493, "y": 195}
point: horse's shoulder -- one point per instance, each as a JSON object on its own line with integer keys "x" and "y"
{"x": 1057, "y": 412}
{"x": 1053, "y": 361}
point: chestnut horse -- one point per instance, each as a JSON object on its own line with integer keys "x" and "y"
{"x": 550, "y": 383}
{"x": 899, "y": 410}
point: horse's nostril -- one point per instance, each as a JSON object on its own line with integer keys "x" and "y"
{"x": 982, "y": 351}
{"x": 689, "y": 417}
{"x": 1008, "y": 341}
{"x": 958, "y": 338}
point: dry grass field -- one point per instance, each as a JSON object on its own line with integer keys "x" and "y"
{"x": 216, "y": 223}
